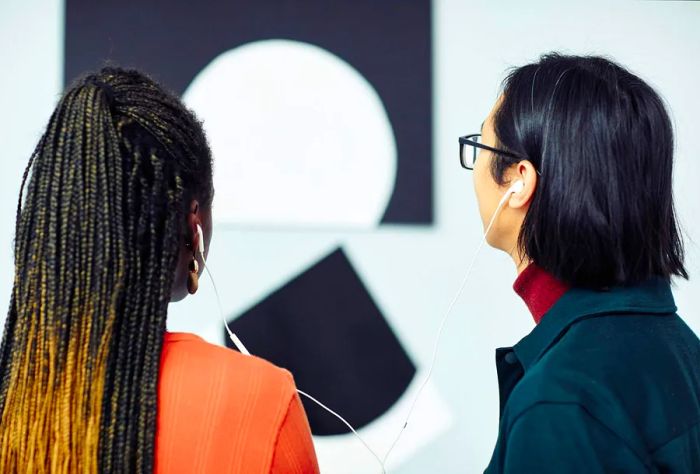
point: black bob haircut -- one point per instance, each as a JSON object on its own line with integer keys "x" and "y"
{"x": 602, "y": 141}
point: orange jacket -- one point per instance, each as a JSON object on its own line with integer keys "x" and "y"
{"x": 223, "y": 412}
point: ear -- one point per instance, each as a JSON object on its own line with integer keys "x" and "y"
{"x": 193, "y": 218}
{"x": 524, "y": 171}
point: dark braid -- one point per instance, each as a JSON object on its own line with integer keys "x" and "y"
{"x": 98, "y": 236}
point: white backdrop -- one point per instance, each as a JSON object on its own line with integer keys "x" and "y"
{"x": 411, "y": 274}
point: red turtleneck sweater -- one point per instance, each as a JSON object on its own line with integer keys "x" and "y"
{"x": 539, "y": 290}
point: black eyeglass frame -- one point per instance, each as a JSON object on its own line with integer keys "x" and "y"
{"x": 467, "y": 140}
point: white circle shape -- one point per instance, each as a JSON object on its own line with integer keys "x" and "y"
{"x": 299, "y": 137}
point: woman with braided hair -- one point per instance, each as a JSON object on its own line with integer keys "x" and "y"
{"x": 106, "y": 238}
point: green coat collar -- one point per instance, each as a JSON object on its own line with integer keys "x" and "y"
{"x": 651, "y": 297}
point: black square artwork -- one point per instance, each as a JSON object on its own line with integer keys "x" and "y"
{"x": 325, "y": 328}
{"x": 388, "y": 42}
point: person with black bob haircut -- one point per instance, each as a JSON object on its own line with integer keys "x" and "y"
{"x": 573, "y": 176}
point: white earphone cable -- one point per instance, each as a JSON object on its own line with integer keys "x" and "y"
{"x": 346, "y": 424}
{"x": 241, "y": 347}
{"x": 236, "y": 342}
{"x": 442, "y": 326}
{"x": 382, "y": 461}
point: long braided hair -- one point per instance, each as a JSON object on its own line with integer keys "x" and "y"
{"x": 97, "y": 243}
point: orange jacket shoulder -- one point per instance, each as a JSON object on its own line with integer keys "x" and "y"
{"x": 218, "y": 410}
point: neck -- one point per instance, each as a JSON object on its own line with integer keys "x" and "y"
{"x": 521, "y": 261}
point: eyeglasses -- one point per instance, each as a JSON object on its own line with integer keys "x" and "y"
{"x": 468, "y": 159}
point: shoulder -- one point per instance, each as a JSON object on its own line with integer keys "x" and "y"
{"x": 211, "y": 367}
{"x": 610, "y": 351}
{"x": 586, "y": 367}
{"x": 218, "y": 410}
{"x": 618, "y": 370}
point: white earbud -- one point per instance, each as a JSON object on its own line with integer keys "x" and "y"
{"x": 201, "y": 240}
{"x": 517, "y": 187}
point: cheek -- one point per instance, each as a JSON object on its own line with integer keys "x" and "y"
{"x": 482, "y": 180}
{"x": 488, "y": 195}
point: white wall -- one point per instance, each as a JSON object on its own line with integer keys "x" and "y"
{"x": 31, "y": 68}
{"x": 473, "y": 44}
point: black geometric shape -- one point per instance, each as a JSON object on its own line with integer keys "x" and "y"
{"x": 388, "y": 42}
{"x": 325, "y": 328}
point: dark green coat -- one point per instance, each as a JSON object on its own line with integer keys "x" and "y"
{"x": 609, "y": 381}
